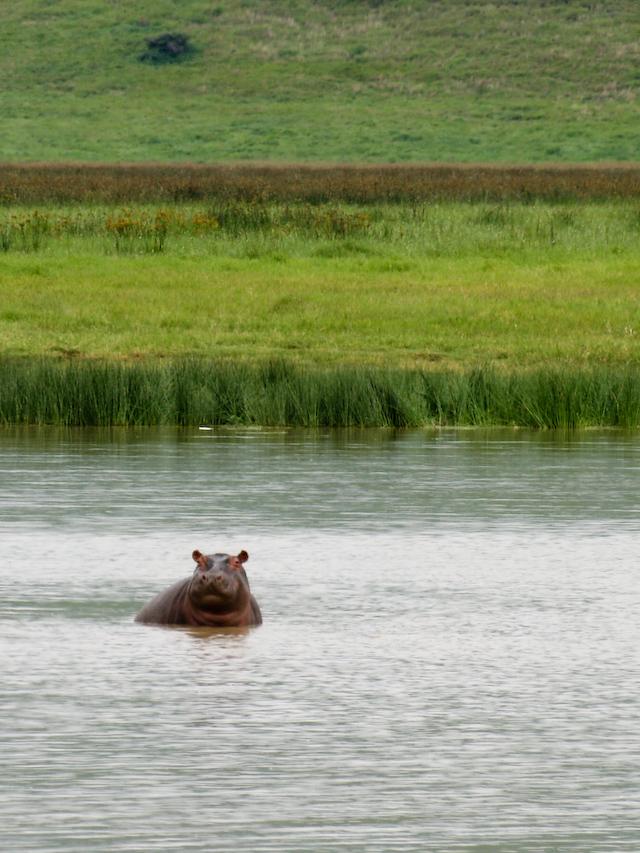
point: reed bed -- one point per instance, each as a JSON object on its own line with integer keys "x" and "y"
{"x": 277, "y": 393}
{"x": 359, "y": 184}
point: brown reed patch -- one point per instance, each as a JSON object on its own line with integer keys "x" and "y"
{"x": 37, "y": 183}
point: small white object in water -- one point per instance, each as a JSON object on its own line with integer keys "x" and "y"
{"x": 209, "y": 428}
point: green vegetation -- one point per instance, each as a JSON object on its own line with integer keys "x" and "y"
{"x": 273, "y": 300}
{"x": 260, "y": 293}
{"x": 322, "y": 80}
{"x": 277, "y": 393}
{"x": 453, "y": 285}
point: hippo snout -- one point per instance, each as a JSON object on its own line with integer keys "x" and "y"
{"x": 214, "y": 581}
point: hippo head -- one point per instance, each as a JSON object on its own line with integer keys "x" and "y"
{"x": 219, "y": 580}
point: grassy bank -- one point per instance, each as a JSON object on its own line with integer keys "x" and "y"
{"x": 292, "y": 313}
{"x": 322, "y": 80}
{"x": 281, "y": 394}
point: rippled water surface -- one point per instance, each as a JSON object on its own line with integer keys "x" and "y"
{"x": 449, "y": 659}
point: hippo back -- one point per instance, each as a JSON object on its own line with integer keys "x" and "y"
{"x": 168, "y": 607}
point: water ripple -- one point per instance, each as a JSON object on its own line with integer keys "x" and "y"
{"x": 449, "y": 659}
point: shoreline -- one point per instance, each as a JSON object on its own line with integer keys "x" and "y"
{"x": 190, "y": 392}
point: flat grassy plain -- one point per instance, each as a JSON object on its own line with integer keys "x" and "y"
{"x": 322, "y": 80}
{"x": 444, "y": 285}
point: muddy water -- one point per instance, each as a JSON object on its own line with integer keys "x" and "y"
{"x": 449, "y": 659}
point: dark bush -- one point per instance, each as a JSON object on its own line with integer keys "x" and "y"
{"x": 169, "y": 47}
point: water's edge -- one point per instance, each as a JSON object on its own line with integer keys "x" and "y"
{"x": 281, "y": 393}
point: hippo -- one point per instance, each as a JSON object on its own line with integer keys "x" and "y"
{"x": 217, "y": 595}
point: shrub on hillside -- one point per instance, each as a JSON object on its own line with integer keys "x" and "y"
{"x": 168, "y": 47}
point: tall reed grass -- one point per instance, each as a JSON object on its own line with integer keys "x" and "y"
{"x": 122, "y": 184}
{"x": 278, "y": 393}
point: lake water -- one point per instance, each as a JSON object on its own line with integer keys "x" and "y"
{"x": 449, "y": 659}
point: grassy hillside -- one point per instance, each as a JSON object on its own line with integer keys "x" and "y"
{"x": 322, "y": 80}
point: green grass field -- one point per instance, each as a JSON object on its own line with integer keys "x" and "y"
{"x": 450, "y": 285}
{"x": 321, "y": 315}
{"x": 322, "y": 80}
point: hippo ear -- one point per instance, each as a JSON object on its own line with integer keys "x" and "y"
{"x": 236, "y": 562}
{"x": 200, "y": 559}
